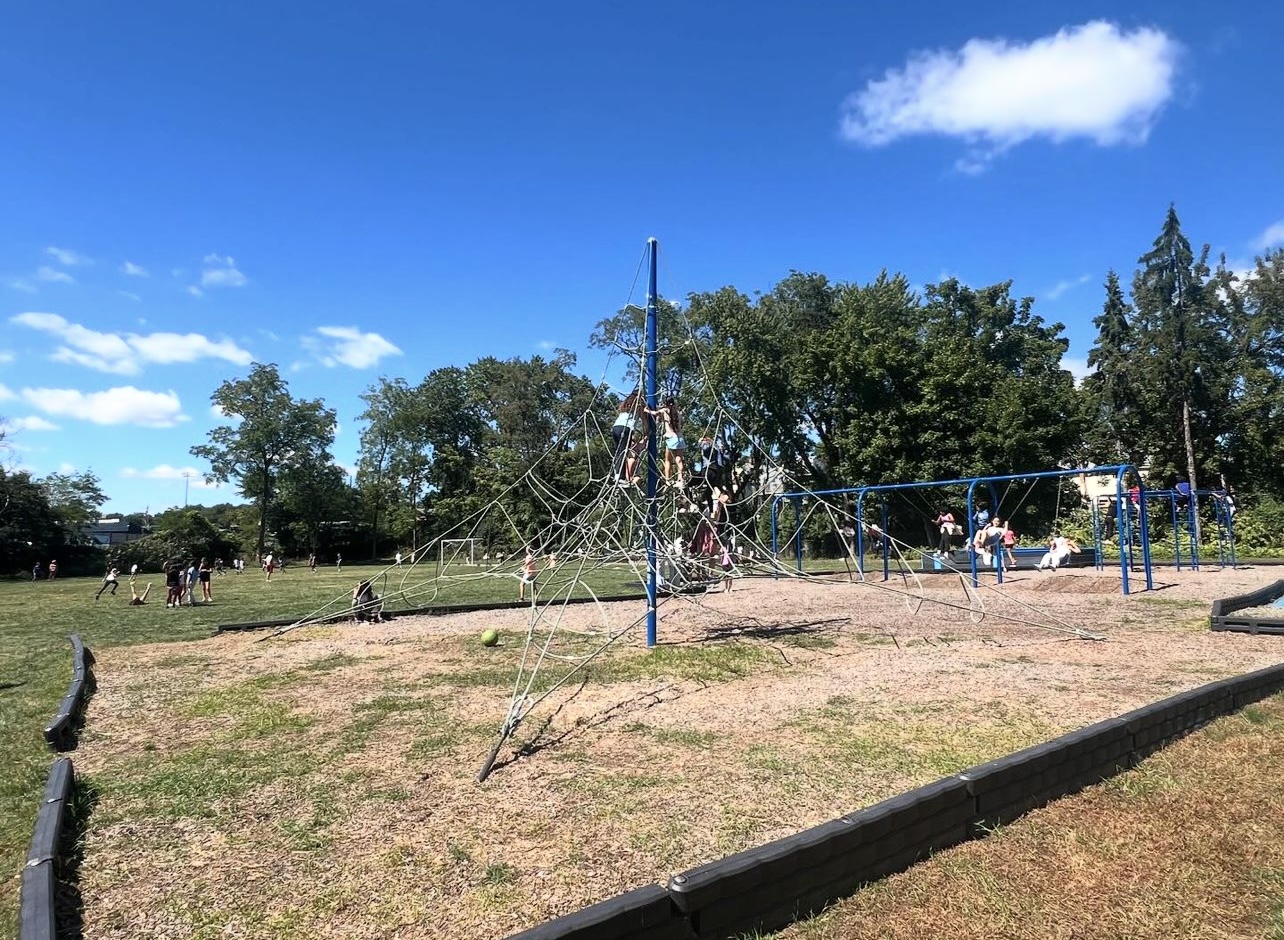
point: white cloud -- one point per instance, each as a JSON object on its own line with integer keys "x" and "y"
{"x": 134, "y": 270}
{"x": 66, "y": 257}
{"x": 221, "y": 271}
{"x": 6, "y": 393}
{"x": 347, "y": 345}
{"x": 22, "y": 284}
{"x": 66, "y": 467}
{"x": 165, "y": 472}
{"x": 1061, "y": 287}
{"x": 1093, "y": 81}
{"x": 123, "y": 405}
{"x": 127, "y": 353}
{"x": 195, "y": 291}
{"x": 129, "y": 295}
{"x": 1273, "y": 236}
{"x": 32, "y": 423}
{"x": 1078, "y": 367}
{"x": 5, "y": 357}
{"x": 53, "y": 275}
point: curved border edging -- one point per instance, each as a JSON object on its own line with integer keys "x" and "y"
{"x": 37, "y": 920}
{"x": 1221, "y": 618}
{"x": 59, "y": 731}
{"x": 771, "y": 886}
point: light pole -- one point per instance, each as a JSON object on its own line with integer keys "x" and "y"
{"x": 187, "y": 477}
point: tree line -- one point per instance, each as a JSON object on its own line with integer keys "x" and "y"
{"x": 838, "y": 383}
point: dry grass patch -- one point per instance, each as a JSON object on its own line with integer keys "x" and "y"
{"x": 1189, "y": 844}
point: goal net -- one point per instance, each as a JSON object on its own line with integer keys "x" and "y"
{"x": 455, "y": 552}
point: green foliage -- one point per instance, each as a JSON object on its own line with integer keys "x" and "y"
{"x": 43, "y": 519}
{"x": 178, "y": 535}
{"x": 276, "y": 434}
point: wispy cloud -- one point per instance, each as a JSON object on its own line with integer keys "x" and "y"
{"x": 129, "y": 295}
{"x": 1094, "y": 81}
{"x": 127, "y": 353}
{"x": 32, "y": 423}
{"x": 134, "y": 270}
{"x": 165, "y": 472}
{"x": 221, "y": 271}
{"x": 195, "y": 291}
{"x": 1273, "y": 236}
{"x": 6, "y": 357}
{"x": 66, "y": 257}
{"x": 123, "y": 405}
{"x": 53, "y": 275}
{"x": 348, "y": 346}
{"x": 6, "y": 393}
{"x": 21, "y": 283}
{"x": 1061, "y": 287}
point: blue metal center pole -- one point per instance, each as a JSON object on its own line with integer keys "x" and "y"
{"x": 652, "y": 508}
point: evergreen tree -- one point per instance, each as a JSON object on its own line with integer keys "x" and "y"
{"x": 1183, "y": 356}
{"x": 1113, "y": 401}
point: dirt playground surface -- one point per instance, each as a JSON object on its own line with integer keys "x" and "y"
{"x": 322, "y": 783}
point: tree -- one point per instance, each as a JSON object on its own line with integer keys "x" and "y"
{"x": 30, "y": 530}
{"x": 75, "y": 499}
{"x": 312, "y": 497}
{"x": 1112, "y": 393}
{"x": 1252, "y": 446}
{"x": 1183, "y": 350}
{"x": 275, "y": 433}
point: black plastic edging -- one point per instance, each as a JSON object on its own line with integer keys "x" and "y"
{"x": 641, "y": 914}
{"x": 1221, "y": 618}
{"x": 37, "y": 920}
{"x": 768, "y": 887}
{"x": 58, "y": 731}
{"x": 437, "y": 611}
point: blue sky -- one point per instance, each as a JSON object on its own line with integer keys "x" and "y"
{"x": 381, "y": 189}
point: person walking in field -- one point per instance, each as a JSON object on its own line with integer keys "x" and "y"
{"x": 110, "y": 579}
{"x": 173, "y": 583}
{"x": 338, "y": 563}
{"x": 203, "y": 574}
{"x": 53, "y": 570}
{"x": 193, "y": 573}
{"x": 36, "y": 571}
{"x": 269, "y": 565}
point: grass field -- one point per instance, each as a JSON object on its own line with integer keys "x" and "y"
{"x": 1189, "y": 844}
{"x": 350, "y": 753}
{"x": 35, "y": 658}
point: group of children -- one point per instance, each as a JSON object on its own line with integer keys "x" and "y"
{"x": 181, "y": 581}
{"x": 635, "y": 423}
{"x": 993, "y": 537}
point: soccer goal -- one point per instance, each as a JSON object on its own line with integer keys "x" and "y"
{"x": 457, "y": 552}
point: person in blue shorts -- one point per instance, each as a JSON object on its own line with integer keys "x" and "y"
{"x": 675, "y": 447}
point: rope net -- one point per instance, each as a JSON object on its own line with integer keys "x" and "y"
{"x": 714, "y": 498}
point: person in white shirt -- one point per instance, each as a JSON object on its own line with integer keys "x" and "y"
{"x": 1059, "y": 550}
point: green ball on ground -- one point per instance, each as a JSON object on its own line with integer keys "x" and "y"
{"x": 490, "y": 638}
